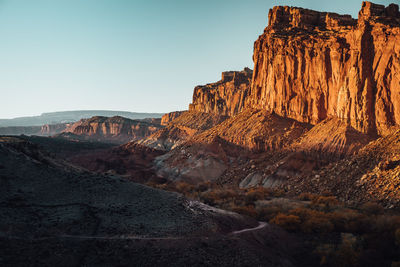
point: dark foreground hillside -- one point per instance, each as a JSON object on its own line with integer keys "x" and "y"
{"x": 54, "y": 214}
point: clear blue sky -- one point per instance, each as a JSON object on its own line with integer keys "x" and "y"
{"x": 132, "y": 55}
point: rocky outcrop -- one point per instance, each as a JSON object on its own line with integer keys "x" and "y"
{"x": 167, "y": 118}
{"x": 310, "y": 66}
{"x": 183, "y": 127}
{"x": 225, "y": 97}
{"x": 373, "y": 174}
{"x": 115, "y": 129}
{"x": 210, "y": 153}
{"x": 52, "y": 129}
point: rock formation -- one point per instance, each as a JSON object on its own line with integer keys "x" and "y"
{"x": 115, "y": 129}
{"x": 180, "y": 129}
{"x": 208, "y": 154}
{"x": 167, "y": 118}
{"x": 225, "y": 97}
{"x": 52, "y": 129}
{"x": 373, "y": 174}
{"x": 310, "y": 66}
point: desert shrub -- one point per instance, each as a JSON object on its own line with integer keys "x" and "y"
{"x": 325, "y": 202}
{"x": 245, "y": 210}
{"x": 219, "y": 196}
{"x": 289, "y": 222}
{"x": 267, "y": 213}
{"x": 387, "y": 223}
{"x": 305, "y": 213}
{"x": 317, "y": 224}
{"x": 341, "y": 219}
{"x": 255, "y": 194}
{"x": 183, "y": 187}
{"x": 202, "y": 187}
{"x": 314, "y": 221}
{"x": 278, "y": 193}
{"x": 372, "y": 208}
{"x": 359, "y": 223}
{"x": 325, "y": 251}
{"x": 346, "y": 255}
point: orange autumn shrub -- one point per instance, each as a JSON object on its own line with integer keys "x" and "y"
{"x": 289, "y": 222}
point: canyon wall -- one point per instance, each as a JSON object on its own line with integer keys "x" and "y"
{"x": 225, "y": 97}
{"x": 310, "y": 66}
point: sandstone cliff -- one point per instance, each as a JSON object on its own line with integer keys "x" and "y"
{"x": 225, "y": 97}
{"x": 168, "y": 117}
{"x": 115, "y": 129}
{"x": 310, "y": 66}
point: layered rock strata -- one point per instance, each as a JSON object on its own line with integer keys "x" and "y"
{"x": 310, "y": 66}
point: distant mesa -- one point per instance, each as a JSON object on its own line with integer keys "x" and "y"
{"x": 115, "y": 129}
{"x": 72, "y": 116}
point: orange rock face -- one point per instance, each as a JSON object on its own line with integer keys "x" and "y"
{"x": 225, "y": 97}
{"x": 168, "y": 117}
{"x": 310, "y": 66}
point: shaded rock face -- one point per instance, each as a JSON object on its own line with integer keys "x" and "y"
{"x": 225, "y": 97}
{"x": 310, "y": 66}
{"x": 115, "y": 129}
{"x": 167, "y": 118}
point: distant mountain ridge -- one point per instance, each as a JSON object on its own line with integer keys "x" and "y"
{"x": 73, "y": 116}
